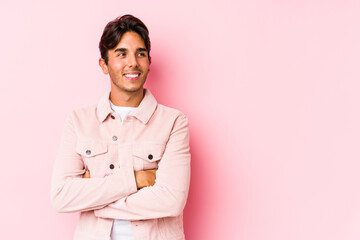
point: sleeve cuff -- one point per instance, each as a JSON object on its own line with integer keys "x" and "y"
{"x": 124, "y": 178}
{"x": 129, "y": 180}
{"x": 123, "y": 181}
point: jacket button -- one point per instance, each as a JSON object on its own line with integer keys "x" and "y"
{"x": 112, "y": 117}
{"x": 150, "y": 156}
{"x": 111, "y": 166}
{"x": 114, "y": 138}
{"x": 88, "y": 152}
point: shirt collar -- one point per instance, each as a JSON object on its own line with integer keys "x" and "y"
{"x": 144, "y": 111}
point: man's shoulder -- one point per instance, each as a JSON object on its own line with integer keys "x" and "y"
{"x": 170, "y": 111}
{"x": 84, "y": 112}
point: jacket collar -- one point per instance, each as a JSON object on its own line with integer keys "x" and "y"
{"x": 144, "y": 111}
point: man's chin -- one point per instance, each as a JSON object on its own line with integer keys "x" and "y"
{"x": 133, "y": 90}
{"x": 127, "y": 88}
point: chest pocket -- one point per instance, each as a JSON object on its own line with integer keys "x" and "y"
{"x": 95, "y": 156}
{"x": 147, "y": 155}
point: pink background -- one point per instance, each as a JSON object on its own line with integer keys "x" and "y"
{"x": 271, "y": 89}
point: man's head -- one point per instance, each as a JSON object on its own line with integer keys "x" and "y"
{"x": 125, "y": 49}
{"x": 116, "y": 28}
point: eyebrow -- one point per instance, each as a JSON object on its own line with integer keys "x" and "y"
{"x": 120, "y": 50}
{"x": 124, "y": 50}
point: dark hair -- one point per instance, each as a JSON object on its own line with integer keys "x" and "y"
{"x": 114, "y": 30}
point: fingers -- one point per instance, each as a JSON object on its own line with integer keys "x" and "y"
{"x": 153, "y": 171}
{"x": 86, "y": 174}
{"x": 145, "y": 178}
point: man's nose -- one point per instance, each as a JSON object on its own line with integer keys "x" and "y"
{"x": 133, "y": 61}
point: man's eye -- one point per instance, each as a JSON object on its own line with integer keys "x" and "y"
{"x": 142, "y": 54}
{"x": 121, "y": 54}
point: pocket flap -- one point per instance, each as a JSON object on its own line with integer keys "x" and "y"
{"x": 150, "y": 152}
{"x": 91, "y": 148}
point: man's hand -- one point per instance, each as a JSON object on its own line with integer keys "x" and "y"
{"x": 143, "y": 179}
{"x": 86, "y": 174}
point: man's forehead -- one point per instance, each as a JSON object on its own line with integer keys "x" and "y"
{"x": 130, "y": 40}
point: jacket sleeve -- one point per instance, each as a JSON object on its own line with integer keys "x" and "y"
{"x": 168, "y": 195}
{"x": 70, "y": 192}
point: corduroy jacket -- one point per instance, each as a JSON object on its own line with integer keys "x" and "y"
{"x": 94, "y": 138}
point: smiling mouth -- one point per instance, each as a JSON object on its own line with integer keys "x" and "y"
{"x": 132, "y": 75}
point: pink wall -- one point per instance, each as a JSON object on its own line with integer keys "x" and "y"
{"x": 271, "y": 89}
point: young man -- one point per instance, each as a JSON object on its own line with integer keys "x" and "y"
{"x": 124, "y": 163}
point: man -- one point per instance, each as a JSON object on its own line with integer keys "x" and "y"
{"x": 124, "y": 163}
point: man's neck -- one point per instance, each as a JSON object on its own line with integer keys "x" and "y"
{"x": 126, "y": 99}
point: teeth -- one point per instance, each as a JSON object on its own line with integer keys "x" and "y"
{"x": 132, "y": 75}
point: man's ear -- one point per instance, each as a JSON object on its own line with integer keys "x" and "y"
{"x": 103, "y": 66}
{"x": 149, "y": 63}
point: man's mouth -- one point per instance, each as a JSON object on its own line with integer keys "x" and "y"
{"x": 132, "y": 76}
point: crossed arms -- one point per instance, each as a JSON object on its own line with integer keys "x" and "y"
{"x": 145, "y": 178}
{"x": 124, "y": 194}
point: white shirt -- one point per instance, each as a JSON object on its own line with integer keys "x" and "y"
{"x": 123, "y": 111}
{"x": 122, "y": 229}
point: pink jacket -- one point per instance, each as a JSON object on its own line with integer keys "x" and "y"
{"x": 95, "y": 139}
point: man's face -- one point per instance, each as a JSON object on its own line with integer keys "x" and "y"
{"x": 128, "y": 64}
